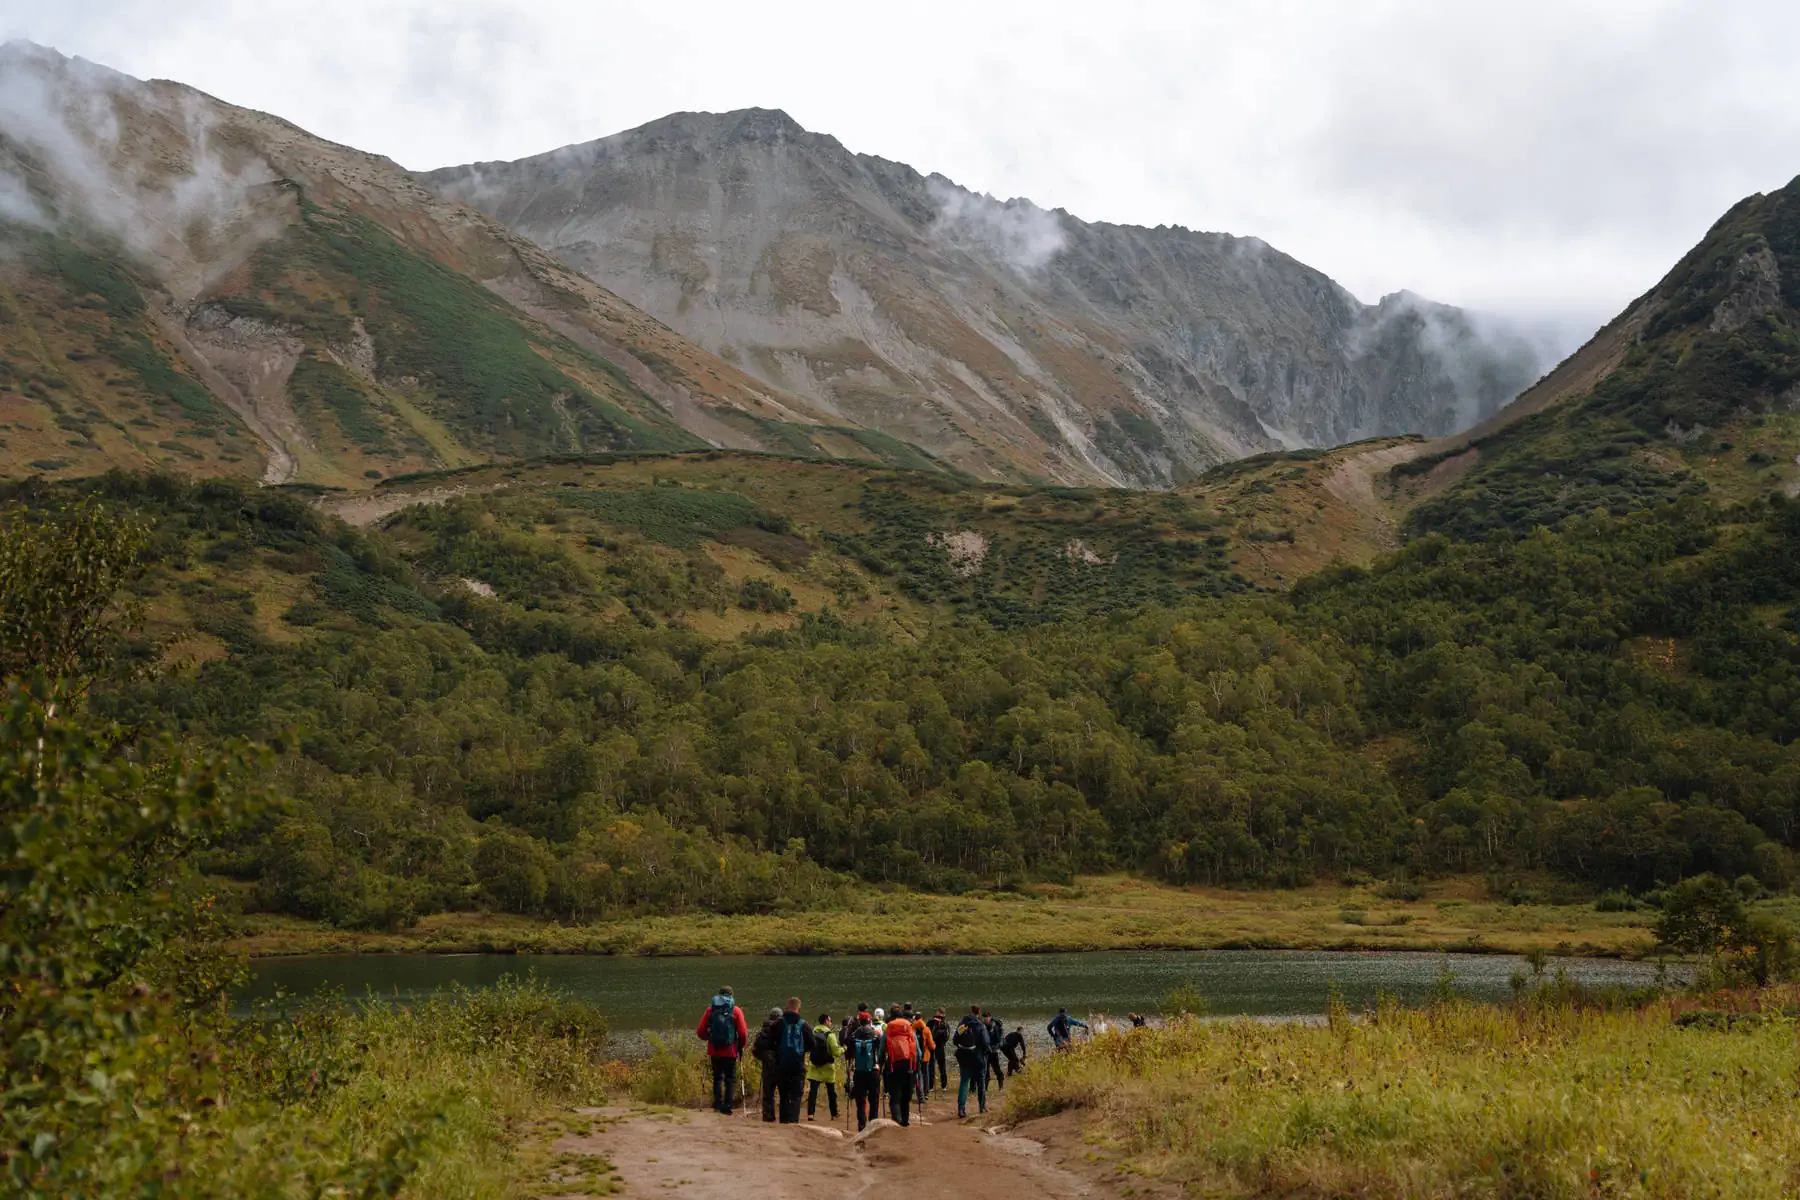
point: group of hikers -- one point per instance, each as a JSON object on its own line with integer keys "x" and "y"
{"x": 897, "y": 1056}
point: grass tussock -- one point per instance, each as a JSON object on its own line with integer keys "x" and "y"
{"x": 1454, "y": 1100}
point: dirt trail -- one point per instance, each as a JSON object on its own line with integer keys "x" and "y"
{"x": 366, "y": 508}
{"x": 1353, "y": 482}
{"x": 703, "y": 1156}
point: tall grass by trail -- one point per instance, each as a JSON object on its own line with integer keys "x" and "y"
{"x": 1456, "y": 1100}
{"x": 381, "y": 1099}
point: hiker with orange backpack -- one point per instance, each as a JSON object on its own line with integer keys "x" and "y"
{"x": 902, "y": 1056}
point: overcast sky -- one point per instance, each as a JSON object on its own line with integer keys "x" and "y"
{"x": 1542, "y": 158}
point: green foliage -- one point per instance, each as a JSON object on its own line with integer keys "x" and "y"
{"x": 1706, "y": 916}
{"x": 319, "y": 384}
{"x": 759, "y": 595}
{"x": 61, "y": 572}
{"x": 673, "y": 516}
{"x": 159, "y": 377}
{"x": 87, "y": 274}
{"x": 435, "y": 324}
{"x": 1612, "y": 702}
{"x": 123, "y": 1075}
{"x": 1185, "y": 1001}
{"x": 1049, "y": 562}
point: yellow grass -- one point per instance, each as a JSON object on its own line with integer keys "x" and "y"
{"x": 1099, "y": 913}
{"x": 1455, "y": 1101}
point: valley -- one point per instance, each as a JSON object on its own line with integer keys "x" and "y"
{"x": 707, "y": 541}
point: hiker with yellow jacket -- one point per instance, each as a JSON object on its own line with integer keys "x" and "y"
{"x": 822, "y": 1067}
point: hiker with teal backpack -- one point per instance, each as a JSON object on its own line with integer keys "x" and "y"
{"x": 865, "y": 1063}
{"x": 723, "y": 1029}
{"x": 822, "y": 1067}
{"x": 793, "y": 1048}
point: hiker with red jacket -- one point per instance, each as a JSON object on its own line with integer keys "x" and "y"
{"x": 902, "y": 1055}
{"x": 723, "y": 1028}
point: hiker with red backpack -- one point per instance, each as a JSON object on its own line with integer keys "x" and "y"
{"x": 723, "y": 1028}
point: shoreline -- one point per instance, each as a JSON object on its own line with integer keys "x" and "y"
{"x": 1109, "y": 913}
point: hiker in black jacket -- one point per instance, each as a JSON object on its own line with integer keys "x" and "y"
{"x": 940, "y": 1036}
{"x": 971, "y": 1045}
{"x": 764, "y": 1050}
{"x": 1014, "y": 1049}
{"x": 995, "y": 1031}
{"x": 793, "y": 1046}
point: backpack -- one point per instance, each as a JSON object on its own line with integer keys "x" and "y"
{"x": 792, "y": 1045}
{"x": 721, "y": 1030}
{"x": 867, "y": 1044}
{"x": 965, "y": 1037}
{"x": 821, "y": 1049}
{"x": 902, "y": 1047}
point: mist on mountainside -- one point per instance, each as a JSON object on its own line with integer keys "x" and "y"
{"x": 1005, "y": 338}
{"x": 87, "y": 149}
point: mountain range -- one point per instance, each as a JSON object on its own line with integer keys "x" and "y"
{"x": 189, "y": 284}
{"x": 997, "y": 335}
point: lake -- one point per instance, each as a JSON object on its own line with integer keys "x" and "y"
{"x": 652, "y": 994}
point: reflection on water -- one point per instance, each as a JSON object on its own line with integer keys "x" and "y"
{"x": 650, "y": 994}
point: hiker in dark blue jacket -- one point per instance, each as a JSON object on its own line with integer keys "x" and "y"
{"x": 996, "y": 1033}
{"x": 793, "y": 1044}
{"x": 1060, "y": 1029}
{"x": 970, "y": 1042}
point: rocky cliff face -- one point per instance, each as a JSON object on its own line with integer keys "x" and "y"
{"x": 1008, "y": 339}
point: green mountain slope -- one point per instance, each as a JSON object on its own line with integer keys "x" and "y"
{"x": 1704, "y": 398}
{"x": 575, "y": 689}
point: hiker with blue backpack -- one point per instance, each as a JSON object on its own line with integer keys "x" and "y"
{"x": 971, "y": 1044}
{"x": 723, "y": 1029}
{"x": 865, "y": 1062}
{"x": 793, "y": 1048}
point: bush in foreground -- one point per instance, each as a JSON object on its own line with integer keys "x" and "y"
{"x": 1454, "y": 1100}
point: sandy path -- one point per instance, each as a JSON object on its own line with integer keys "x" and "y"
{"x": 703, "y": 1156}
{"x": 366, "y": 508}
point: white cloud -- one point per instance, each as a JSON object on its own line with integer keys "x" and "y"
{"x": 1017, "y": 233}
{"x": 1542, "y": 158}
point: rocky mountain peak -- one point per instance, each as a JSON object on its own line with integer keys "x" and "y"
{"x": 1011, "y": 339}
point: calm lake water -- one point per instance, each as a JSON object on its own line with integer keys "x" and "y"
{"x": 651, "y": 994}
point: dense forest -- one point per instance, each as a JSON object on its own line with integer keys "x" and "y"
{"x": 1615, "y": 700}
